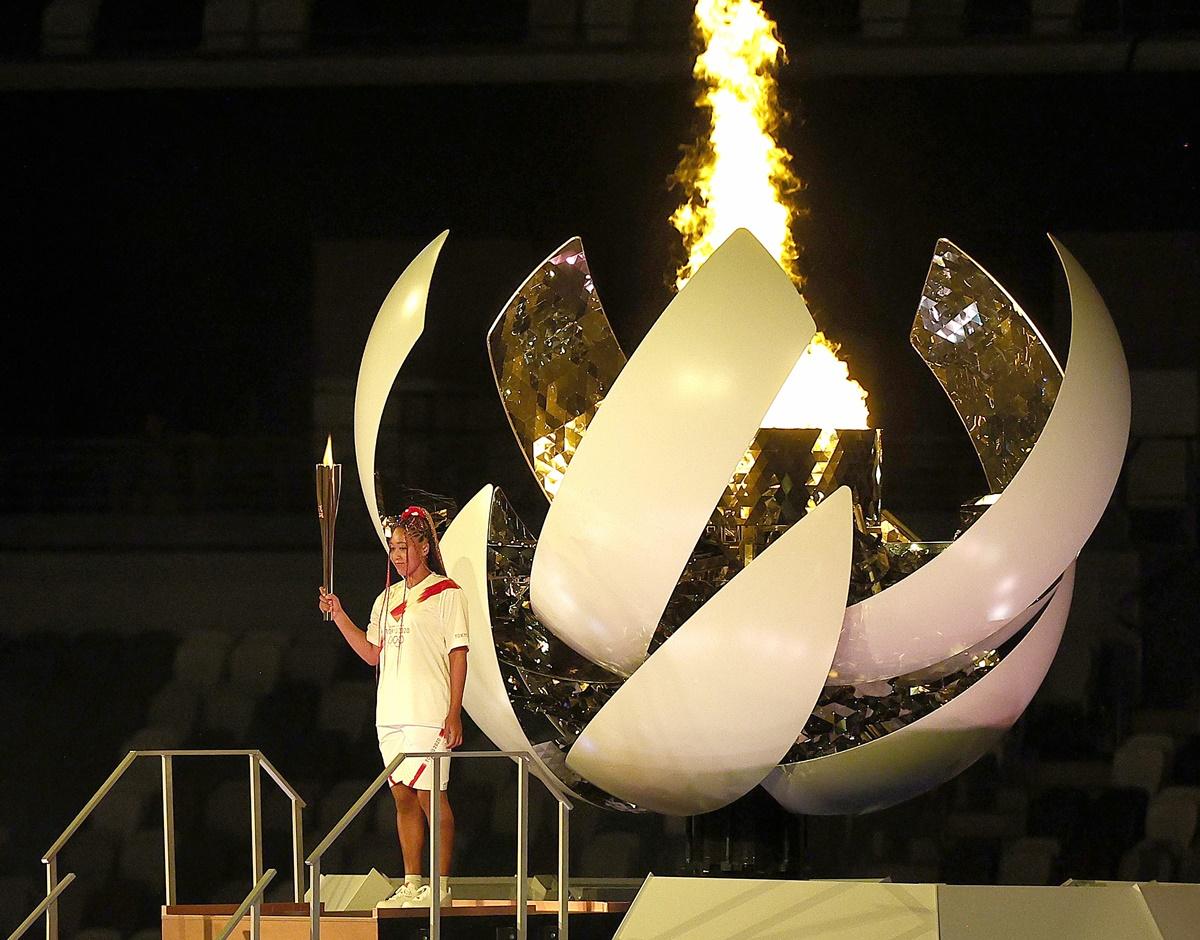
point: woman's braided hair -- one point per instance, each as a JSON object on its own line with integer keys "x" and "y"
{"x": 418, "y": 524}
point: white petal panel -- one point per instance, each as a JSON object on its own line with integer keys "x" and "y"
{"x": 397, "y": 326}
{"x": 660, "y": 450}
{"x": 1037, "y": 526}
{"x": 934, "y": 749}
{"x": 464, "y": 549}
{"x": 713, "y": 710}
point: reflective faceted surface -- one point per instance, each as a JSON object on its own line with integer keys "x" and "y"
{"x": 554, "y": 691}
{"x": 1000, "y": 376}
{"x": 880, "y": 563}
{"x": 554, "y": 357}
{"x": 845, "y": 716}
{"x": 786, "y": 472}
{"x": 519, "y": 636}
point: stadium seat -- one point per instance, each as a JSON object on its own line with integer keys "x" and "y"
{"x": 17, "y": 898}
{"x": 1059, "y": 812}
{"x": 347, "y": 708}
{"x": 1171, "y": 818}
{"x": 1135, "y": 765}
{"x": 175, "y": 705}
{"x": 140, "y": 859}
{"x": 339, "y": 799}
{"x": 200, "y": 659}
{"x": 313, "y": 661}
{"x": 1148, "y": 861}
{"x": 1029, "y": 861}
{"x": 228, "y": 711}
{"x": 255, "y": 664}
{"x": 227, "y": 808}
{"x": 122, "y": 812}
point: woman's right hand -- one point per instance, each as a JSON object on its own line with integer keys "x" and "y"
{"x": 329, "y": 603}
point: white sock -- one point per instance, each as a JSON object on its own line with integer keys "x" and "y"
{"x": 414, "y": 880}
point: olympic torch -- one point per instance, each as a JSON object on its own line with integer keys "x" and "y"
{"x": 329, "y": 489}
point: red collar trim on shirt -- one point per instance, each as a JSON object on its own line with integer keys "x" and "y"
{"x": 432, "y": 591}
{"x": 444, "y": 585}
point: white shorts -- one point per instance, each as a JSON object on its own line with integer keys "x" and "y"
{"x": 413, "y": 772}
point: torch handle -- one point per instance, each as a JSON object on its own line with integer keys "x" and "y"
{"x": 329, "y": 488}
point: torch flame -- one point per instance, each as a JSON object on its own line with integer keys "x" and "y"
{"x": 328, "y": 460}
{"x": 740, "y": 177}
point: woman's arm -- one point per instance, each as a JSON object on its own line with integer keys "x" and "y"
{"x": 367, "y": 651}
{"x": 452, "y": 728}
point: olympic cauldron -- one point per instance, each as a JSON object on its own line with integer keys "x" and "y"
{"x": 711, "y": 605}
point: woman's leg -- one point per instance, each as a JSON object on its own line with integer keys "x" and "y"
{"x": 446, "y": 824}
{"x": 410, "y": 827}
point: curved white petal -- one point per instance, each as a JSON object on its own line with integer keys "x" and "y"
{"x": 964, "y": 659}
{"x": 1033, "y": 531}
{"x": 464, "y": 549}
{"x": 397, "y": 326}
{"x": 660, "y": 450}
{"x": 711, "y": 712}
{"x": 934, "y": 749}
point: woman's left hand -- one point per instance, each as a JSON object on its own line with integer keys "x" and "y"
{"x": 452, "y": 731}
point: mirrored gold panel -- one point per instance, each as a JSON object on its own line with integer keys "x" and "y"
{"x": 554, "y": 358}
{"x": 783, "y": 474}
{"x": 989, "y": 358}
{"x": 786, "y": 472}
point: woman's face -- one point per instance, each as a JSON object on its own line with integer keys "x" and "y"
{"x": 408, "y": 554}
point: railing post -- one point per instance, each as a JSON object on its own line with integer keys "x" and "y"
{"x": 256, "y": 840}
{"x": 52, "y": 907}
{"x": 314, "y": 898}
{"x": 297, "y": 852}
{"x": 435, "y": 852}
{"x": 564, "y": 857}
{"x": 522, "y": 847}
{"x": 168, "y": 810}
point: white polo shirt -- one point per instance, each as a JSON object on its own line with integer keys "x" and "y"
{"x": 419, "y": 627}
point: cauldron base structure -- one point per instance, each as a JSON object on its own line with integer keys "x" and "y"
{"x": 718, "y": 908}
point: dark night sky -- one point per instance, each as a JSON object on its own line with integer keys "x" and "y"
{"x": 160, "y": 242}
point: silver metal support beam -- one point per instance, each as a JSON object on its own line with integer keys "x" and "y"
{"x": 435, "y": 853}
{"x": 53, "y": 890}
{"x": 256, "y": 841}
{"x": 564, "y": 858}
{"x": 522, "y": 847}
{"x": 168, "y": 813}
{"x": 314, "y": 898}
{"x": 297, "y": 851}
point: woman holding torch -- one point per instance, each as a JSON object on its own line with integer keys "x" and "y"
{"x": 417, "y": 638}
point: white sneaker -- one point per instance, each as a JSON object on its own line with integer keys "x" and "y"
{"x": 405, "y": 893}
{"x": 424, "y": 895}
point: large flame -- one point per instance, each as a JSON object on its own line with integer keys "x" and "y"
{"x": 819, "y": 393}
{"x": 738, "y": 176}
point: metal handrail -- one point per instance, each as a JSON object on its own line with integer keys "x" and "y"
{"x": 274, "y": 774}
{"x": 258, "y": 763}
{"x": 41, "y": 908}
{"x": 522, "y": 760}
{"x": 252, "y": 903}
